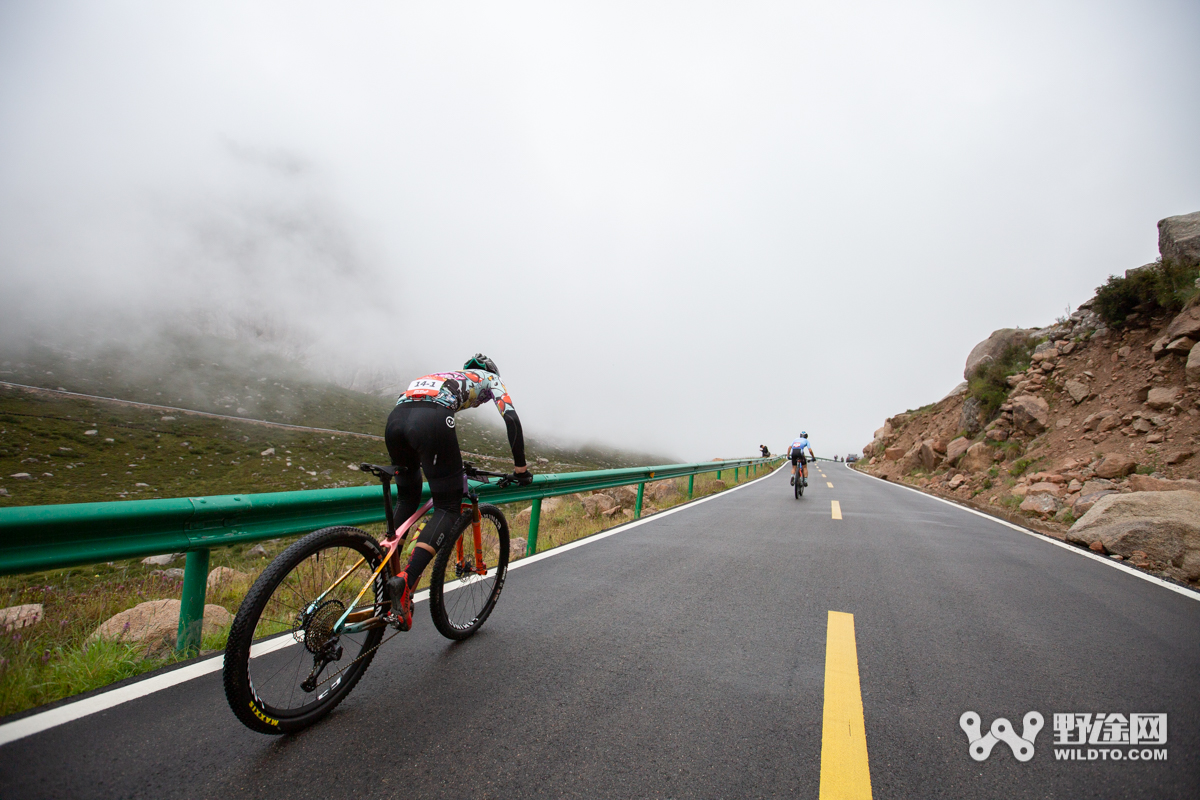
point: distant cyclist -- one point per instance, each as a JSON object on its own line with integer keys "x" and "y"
{"x": 420, "y": 437}
{"x": 799, "y": 462}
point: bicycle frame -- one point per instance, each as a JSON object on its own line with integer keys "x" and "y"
{"x": 393, "y": 544}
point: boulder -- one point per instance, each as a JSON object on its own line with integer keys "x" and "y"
{"x": 155, "y": 623}
{"x": 596, "y": 504}
{"x": 1087, "y": 499}
{"x": 1145, "y": 483}
{"x": 969, "y": 418}
{"x": 1179, "y": 457}
{"x": 956, "y": 448}
{"x": 1183, "y": 345}
{"x": 661, "y": 490}
{"x": 1046, "y": 487}
{"x": 258, "y": 550}
{"x": 1192, "y": 370}
{"x": 992, "y": 347}
{"x": 1179, "y": 238}
{"x": 1040, "y": 504}
{"x": 516, "y": 548}
{"x": 1185, "y": 324}
{"x": 226, "y": 575}
{"x": 894, "y": 453}
{"x": 1030, "y": 414}
{"x": 1098, "y": 485}
{"x": 1165, "y": 526}
{"x": 957, "y": 481}
{"x": 1078, "y": 391}
{"x": 929, "y": 456}
{"x": 1115, "y": 465}
{"x": 23, "y": 616}
{"x": 977, "y": 458}
{"x": 1161, "y": 397}
{"x": 955, "y": 392}
{"x": 717, "y": 486}
{"x": 161, "y": 561}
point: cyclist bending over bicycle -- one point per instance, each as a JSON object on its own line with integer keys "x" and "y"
{"x": 799, "y": 462}
{"x": 420, "y": 437}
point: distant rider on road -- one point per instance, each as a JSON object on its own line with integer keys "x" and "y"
{"x": 420, "y": 437}
{"x": 799, "y": 462}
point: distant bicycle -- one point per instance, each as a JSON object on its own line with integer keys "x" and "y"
{"x": 311, "y": 623}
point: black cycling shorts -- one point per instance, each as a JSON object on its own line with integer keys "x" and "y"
{"x": 798, "y": 457}
{"x": 420, "y": 437}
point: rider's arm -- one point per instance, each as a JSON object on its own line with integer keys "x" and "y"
{"x": 516, "y": 439}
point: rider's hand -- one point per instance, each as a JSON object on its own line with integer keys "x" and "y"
{"x": 524, "y": 478}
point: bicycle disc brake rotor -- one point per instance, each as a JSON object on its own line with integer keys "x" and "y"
{"x": 317, "y": 631}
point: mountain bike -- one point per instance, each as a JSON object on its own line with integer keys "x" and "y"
{"x": 310, "y": 625}
{"x": 798, "y": 484}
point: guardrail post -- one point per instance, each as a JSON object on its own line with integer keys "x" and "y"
{"x": 191, "y": 606}
{"x": 718, "y": 474}
{"x": 691, "y": 485}
{"x": 735, "y": 474}
{"x": 637, "y": 509}
{"x": 535, "y": 516}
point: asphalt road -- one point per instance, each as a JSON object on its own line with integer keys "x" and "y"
{"x": 685, "y": 657}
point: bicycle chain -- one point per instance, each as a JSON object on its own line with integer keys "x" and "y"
{"x": 361, "y": 656}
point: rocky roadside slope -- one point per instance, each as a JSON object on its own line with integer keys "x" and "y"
{"x": 1089, "y": 435}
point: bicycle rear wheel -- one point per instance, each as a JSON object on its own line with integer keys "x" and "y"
{"x": 460, "y": 598}
{"x": 285, "y": 666}
{"x": 799, "y": 484}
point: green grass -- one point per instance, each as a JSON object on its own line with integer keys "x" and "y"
{"x": 1166, "y": 286}
{"x": 1021, "y": 465}
{"x": 989, "y": 383}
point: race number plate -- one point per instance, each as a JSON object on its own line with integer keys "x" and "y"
{"x": 424, "y": 387}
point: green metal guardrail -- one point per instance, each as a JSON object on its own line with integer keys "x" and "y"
{"x": 35, "y": 538}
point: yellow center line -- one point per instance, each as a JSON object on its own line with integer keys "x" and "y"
{"x": 830, "y": 485}
{"x": 845, "y": 771}
{"x": 837, "y": 509}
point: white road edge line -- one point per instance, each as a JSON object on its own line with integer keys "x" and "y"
{"x": 1079, "y": 551}
{"x": 68, "y": 712}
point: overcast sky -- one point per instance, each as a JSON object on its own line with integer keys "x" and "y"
{"x": 686, "y": 227}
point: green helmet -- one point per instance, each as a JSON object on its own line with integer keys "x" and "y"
{"x": 480, "y": 361}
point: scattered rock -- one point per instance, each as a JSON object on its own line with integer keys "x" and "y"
{"x": 167, "y": 419}
{"x": 1030, "y": 414}
{"x": 928, "y": 455}
{"x": 1186, "y": 323}
{"x": 717, "y": 486}
{"x": 1179, "y": 457}
{"x": 956, "y": 448}
{"x": 172, "y": 574}
{"x": 226, "y": 575}
{"x": 141, "y": 486}
{"x": 21, "y": 476}
{"x": 978, "y": 457}
{"x": 1145, "y": 483}
{"x": 1161, "y": 397}
{"x": 1046, "y": 487}
{"x": 1098, "y": 547}
{"x": 543, "y": 460}
{"x": 516, "y": 548}
{"x": 1087, "y": 499}
{"x": 957, "y": 481}
{"x": 161, "y": 561}
{"x": 270, "y": 451}
{"x": 1041, "y": 504}
{"x": 891, "y": 454}
{"x": 969, "y": 418}
{"x": 1163, "y": 526}
{"x": 1192, "y": 370}
{"x": 661, "y": 490}
{"x": 1078, "y": 391}
{"x": 15, "y": 617}
{"x": 1115, "y": 465}
{"x": 595, "y": 504}
{"x": 155, "y": 623}
{"x": 257, "y": 550}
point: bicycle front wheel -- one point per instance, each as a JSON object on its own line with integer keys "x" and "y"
{"x": 469, "y": 573}
{"x": 287, "y": 663}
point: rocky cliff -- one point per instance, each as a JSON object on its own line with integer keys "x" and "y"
{"x": 1088, "y": 429}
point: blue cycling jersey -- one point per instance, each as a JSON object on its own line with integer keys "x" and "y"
{"x": 799, "y": 444}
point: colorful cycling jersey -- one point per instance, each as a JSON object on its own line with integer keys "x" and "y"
{"x": 459, "y": 390}
{"x": 800, "y": 444}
